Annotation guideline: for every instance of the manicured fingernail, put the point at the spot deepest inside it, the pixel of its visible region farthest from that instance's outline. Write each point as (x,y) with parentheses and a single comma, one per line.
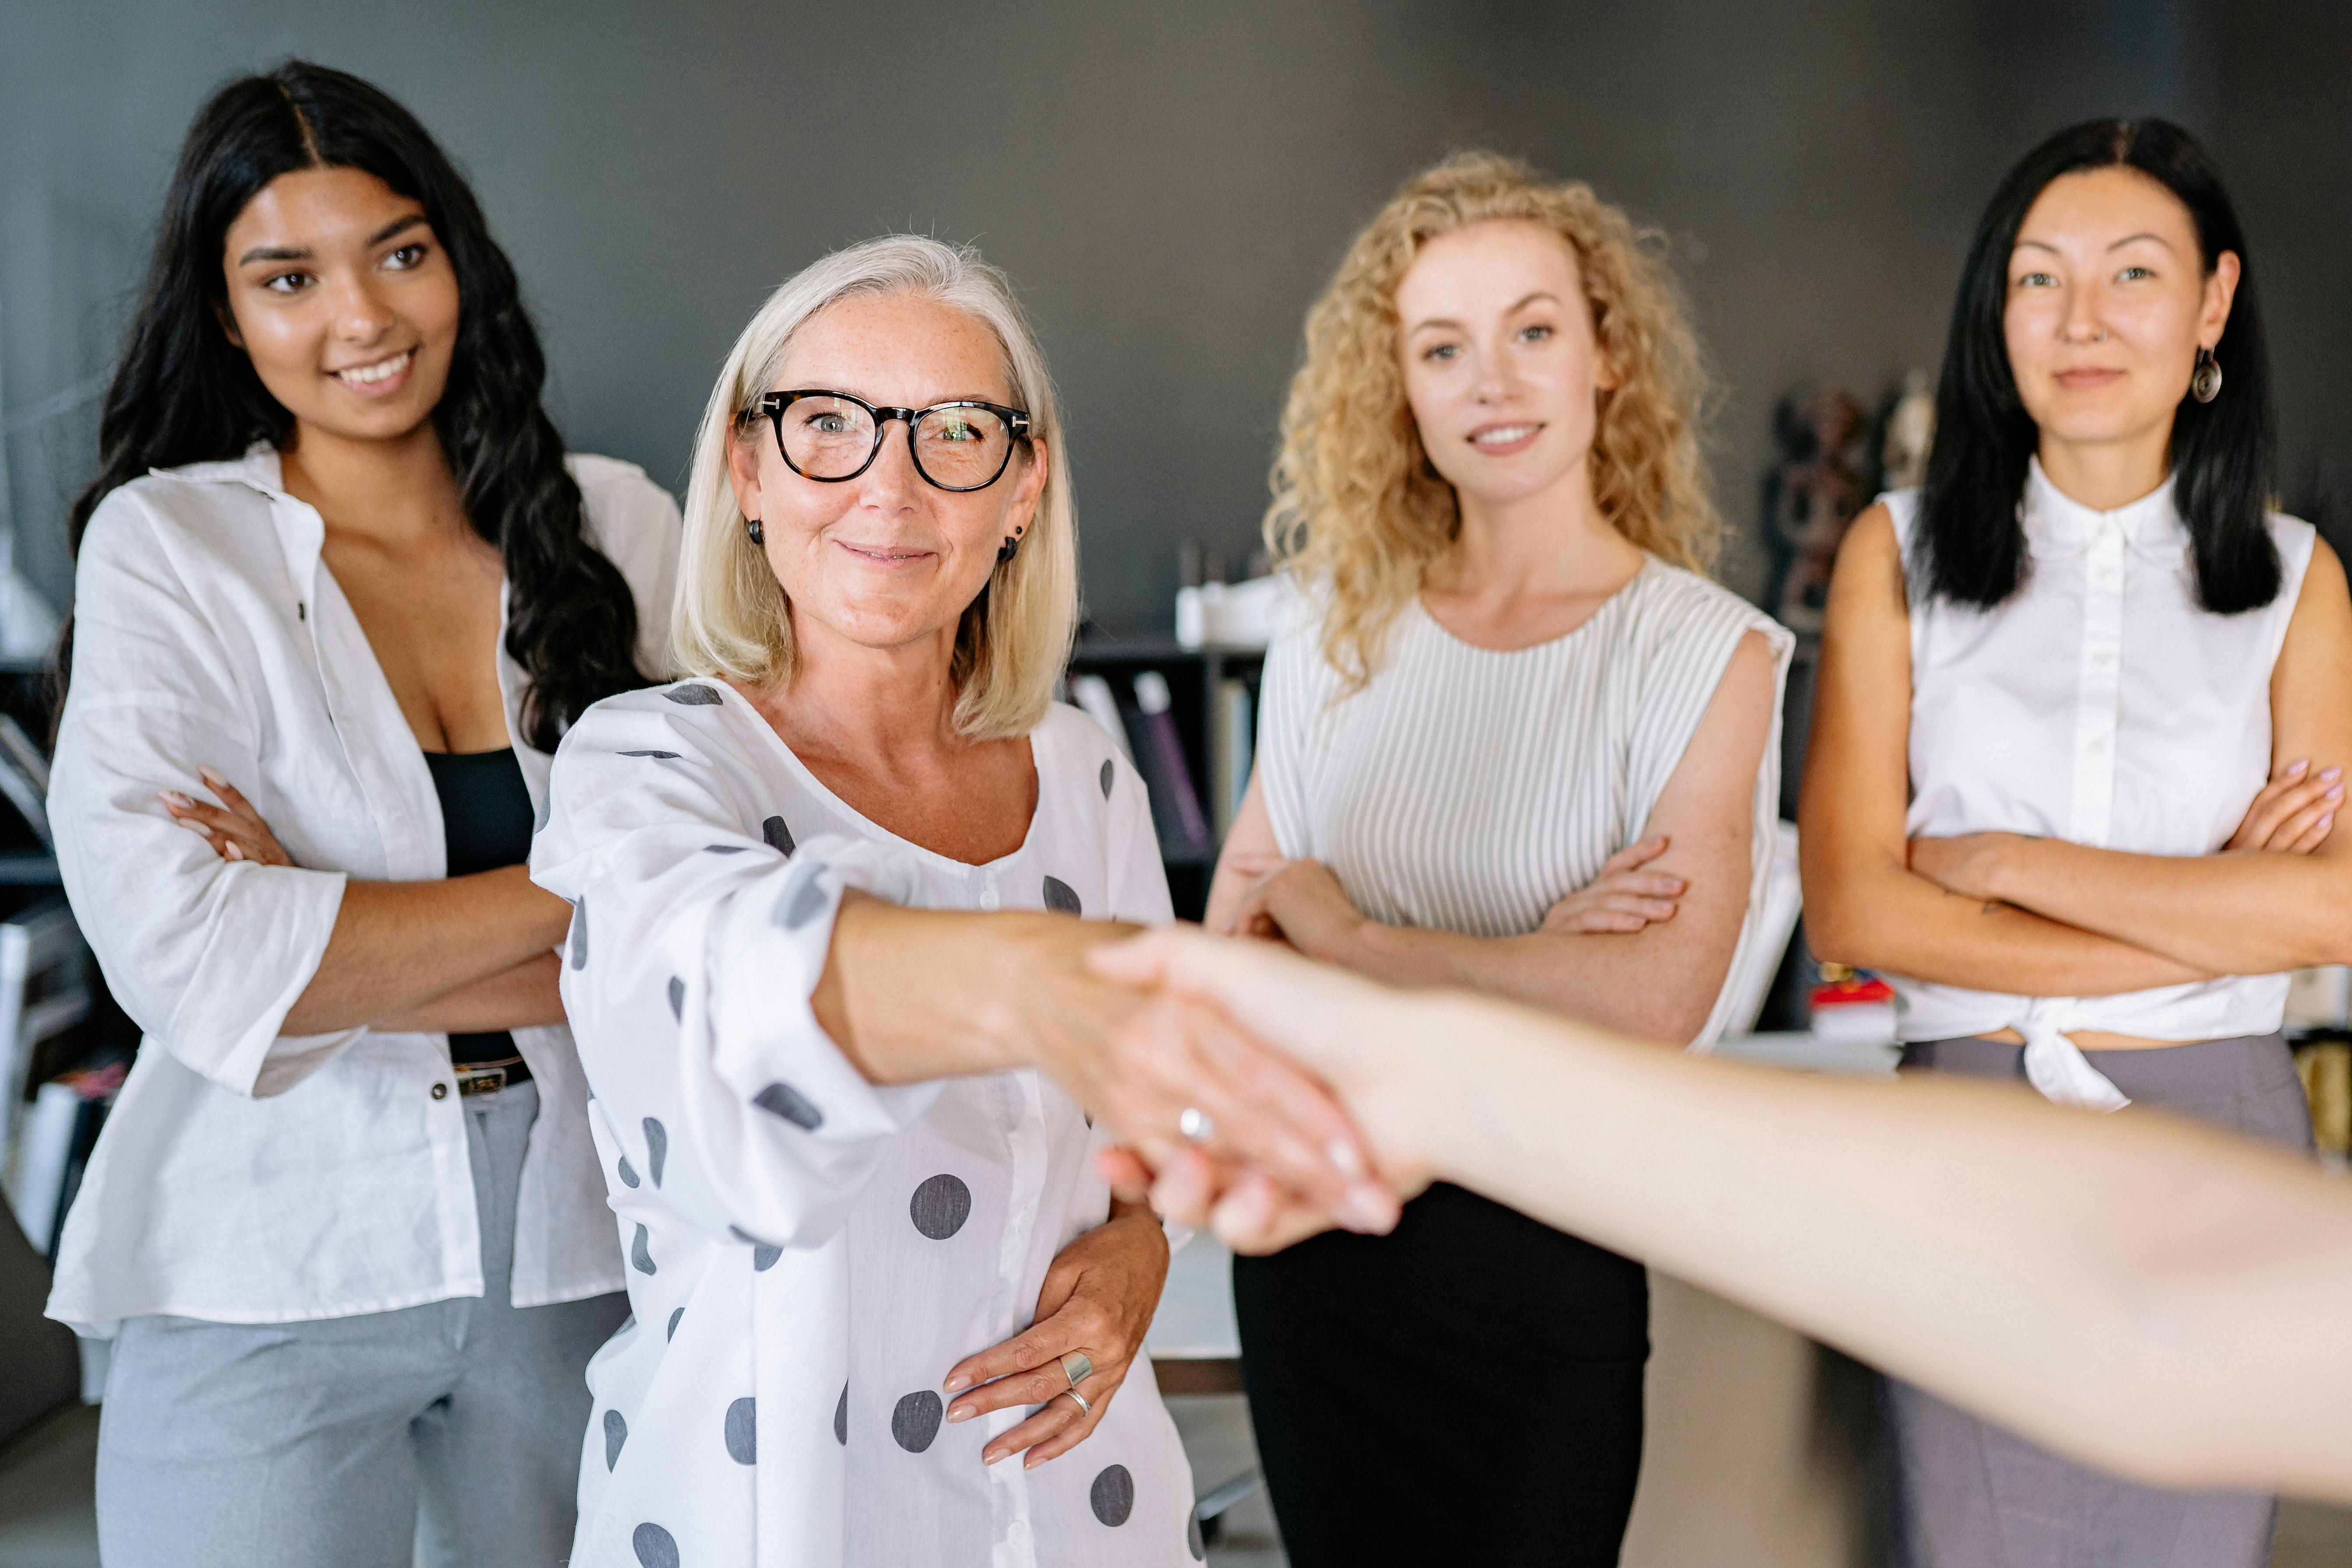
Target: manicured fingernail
(209,776)
(2336,794)
(1032,1462)
(2327,774)
(2297,766)
(1363,1208)
(233,852)
(959,1413)
(174,797)
(958,1383)
(1342,1154)
(990,1456)
(2326,819)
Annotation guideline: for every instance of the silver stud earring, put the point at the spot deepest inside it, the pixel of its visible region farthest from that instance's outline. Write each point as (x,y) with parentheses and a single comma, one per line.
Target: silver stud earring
(752,527)
(2205,381)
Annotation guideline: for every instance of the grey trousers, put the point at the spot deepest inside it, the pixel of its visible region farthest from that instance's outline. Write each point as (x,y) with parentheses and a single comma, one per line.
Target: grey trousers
(314,1444)
(1970,1495)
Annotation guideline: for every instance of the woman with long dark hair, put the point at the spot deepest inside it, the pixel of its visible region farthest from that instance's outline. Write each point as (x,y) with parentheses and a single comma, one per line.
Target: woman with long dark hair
(2073,767)
(339,593)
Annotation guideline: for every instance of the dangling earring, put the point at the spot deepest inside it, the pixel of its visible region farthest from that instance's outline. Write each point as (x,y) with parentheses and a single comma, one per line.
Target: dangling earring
(1005,550)
(2205,381)
(752,527)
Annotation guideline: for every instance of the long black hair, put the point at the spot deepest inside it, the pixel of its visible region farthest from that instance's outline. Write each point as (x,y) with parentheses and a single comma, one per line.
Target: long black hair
(184,394)
(1970,547)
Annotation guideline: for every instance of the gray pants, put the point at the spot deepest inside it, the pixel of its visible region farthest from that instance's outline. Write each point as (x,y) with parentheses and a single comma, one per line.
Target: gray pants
(1970,1495)
(312,1444)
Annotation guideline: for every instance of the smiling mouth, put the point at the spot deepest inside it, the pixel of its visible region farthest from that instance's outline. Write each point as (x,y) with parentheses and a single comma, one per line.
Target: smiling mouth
(1502,435)
(381,370)
(885,554)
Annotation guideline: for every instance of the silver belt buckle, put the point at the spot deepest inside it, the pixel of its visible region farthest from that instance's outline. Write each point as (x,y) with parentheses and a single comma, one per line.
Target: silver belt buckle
(480,1080)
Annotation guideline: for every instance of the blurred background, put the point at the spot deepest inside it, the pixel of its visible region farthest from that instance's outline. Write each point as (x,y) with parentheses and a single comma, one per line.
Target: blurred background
(1170,185)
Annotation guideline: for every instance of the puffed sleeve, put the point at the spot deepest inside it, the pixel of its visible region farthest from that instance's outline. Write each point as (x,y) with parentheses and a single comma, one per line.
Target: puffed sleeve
(693,952)
(205,954)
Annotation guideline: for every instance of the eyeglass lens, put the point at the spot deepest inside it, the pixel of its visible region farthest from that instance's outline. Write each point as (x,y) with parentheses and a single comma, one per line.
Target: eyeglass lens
(831,438)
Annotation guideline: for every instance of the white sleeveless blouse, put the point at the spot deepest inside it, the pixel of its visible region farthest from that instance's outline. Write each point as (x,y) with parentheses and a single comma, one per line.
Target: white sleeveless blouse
(2101,705)
(1469,790)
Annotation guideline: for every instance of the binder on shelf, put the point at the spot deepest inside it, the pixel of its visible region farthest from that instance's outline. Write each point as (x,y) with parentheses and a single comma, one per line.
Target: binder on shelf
(1093,694)
(1228,753)
(1176,814)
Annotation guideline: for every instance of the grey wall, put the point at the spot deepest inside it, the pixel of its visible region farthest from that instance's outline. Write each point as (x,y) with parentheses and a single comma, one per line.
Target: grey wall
(1170,185)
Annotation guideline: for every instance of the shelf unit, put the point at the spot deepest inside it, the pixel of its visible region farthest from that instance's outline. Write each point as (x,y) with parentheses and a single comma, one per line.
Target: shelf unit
(1194,675)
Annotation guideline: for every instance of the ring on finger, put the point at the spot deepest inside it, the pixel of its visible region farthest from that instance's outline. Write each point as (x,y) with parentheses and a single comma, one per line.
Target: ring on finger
(1196,1125)
(1077,1367)
(1084,1409)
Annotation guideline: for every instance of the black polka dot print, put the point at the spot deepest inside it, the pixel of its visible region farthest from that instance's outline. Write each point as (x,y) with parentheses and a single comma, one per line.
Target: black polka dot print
(782,1099)
(539,816)
(1060,895)
(580,933)
(916,1421)
(940,1207)
(723,849)
(656,1547)
(657,1149)
(678,998)
(628,1172)
(1192,1541)
(640,1258)
(763,1256)
(671,1333)
(802,903)
(1109,773)
(1113,1495)
(779,836)
(743,1445)
(616,1432)
(658,756)
(841,1417)
(693,694)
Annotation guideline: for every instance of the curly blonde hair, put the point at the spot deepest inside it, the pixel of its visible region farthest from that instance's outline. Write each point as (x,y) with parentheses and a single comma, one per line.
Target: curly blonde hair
(1358,512)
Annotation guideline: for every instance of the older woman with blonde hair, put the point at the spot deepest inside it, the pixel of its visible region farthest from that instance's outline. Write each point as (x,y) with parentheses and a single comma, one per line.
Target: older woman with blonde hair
(1512,739)
(821,946)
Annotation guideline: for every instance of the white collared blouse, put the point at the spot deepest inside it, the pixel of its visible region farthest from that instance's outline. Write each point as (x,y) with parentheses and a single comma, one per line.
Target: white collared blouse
(810,1253)
(248,1176)
(2103,705)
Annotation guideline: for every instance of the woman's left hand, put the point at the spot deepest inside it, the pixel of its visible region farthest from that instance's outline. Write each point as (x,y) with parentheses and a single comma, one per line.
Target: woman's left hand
(233,828)
(1964,865)
(1098,1297)
(1301,902)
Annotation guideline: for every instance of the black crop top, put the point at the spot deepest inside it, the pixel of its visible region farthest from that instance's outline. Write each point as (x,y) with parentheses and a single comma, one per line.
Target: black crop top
(486,821)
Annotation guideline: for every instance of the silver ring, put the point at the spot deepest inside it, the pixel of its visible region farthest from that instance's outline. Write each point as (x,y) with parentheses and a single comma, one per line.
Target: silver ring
(1196,1124)
(1079,1374)
(1084,1408)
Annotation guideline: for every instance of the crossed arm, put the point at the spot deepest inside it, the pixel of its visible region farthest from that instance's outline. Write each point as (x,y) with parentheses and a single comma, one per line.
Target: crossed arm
(2043,917)
(1644,949)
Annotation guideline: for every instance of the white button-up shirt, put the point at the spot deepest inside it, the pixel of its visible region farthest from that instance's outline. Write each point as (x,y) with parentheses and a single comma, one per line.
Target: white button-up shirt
(246,1175)
(810,1253)
(2100,704)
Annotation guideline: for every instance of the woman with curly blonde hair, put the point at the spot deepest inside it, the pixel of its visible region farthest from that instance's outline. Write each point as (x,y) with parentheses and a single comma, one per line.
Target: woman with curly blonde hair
(1512,740)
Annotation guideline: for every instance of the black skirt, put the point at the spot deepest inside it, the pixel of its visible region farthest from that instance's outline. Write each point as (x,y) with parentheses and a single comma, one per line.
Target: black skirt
(1467,1388)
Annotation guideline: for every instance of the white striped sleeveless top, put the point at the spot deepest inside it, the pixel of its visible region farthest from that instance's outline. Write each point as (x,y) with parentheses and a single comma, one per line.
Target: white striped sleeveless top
(1467,790)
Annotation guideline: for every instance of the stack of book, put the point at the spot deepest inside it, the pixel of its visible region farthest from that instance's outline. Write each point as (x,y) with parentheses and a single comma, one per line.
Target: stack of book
(1141,720)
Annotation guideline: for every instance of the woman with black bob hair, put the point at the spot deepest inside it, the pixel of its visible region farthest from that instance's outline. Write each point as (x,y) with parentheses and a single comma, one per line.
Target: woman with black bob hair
(2077,755)
(338,591)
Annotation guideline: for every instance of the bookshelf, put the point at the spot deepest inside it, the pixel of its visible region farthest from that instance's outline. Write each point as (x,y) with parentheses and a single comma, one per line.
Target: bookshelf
(1197,682)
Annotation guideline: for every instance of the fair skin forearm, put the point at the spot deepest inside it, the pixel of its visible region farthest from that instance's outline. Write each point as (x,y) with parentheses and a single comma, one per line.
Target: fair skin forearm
(1658,981)
(1864,903)
(2100,1283)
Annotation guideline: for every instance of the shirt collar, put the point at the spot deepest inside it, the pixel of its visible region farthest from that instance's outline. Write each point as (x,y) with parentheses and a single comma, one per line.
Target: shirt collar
(2058,527)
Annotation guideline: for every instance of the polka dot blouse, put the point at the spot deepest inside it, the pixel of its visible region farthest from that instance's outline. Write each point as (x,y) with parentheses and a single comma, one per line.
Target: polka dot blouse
(808,1253)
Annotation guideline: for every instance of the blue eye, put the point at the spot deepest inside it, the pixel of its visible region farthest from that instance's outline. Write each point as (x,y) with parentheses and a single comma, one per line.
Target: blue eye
(1443,352)
(1534,334)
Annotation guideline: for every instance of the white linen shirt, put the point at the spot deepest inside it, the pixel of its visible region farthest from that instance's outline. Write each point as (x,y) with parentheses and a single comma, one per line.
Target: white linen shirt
(2103,705)
(811,1253)
(245,1175)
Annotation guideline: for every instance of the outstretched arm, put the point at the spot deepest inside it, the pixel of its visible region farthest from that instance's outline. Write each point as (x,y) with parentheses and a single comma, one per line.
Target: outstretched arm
(2111,1286)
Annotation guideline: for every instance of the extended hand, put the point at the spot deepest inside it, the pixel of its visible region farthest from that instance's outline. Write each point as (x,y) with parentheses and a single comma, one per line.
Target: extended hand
(1623,898)
(1097,1299)
(233,828)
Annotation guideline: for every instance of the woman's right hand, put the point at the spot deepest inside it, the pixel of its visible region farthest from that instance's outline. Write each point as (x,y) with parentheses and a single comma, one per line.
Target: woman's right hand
(2294,812)
(233,828)
(1623,898)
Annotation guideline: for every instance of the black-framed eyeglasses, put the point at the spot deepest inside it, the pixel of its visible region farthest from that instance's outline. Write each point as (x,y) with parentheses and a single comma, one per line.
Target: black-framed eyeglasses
(831,436)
